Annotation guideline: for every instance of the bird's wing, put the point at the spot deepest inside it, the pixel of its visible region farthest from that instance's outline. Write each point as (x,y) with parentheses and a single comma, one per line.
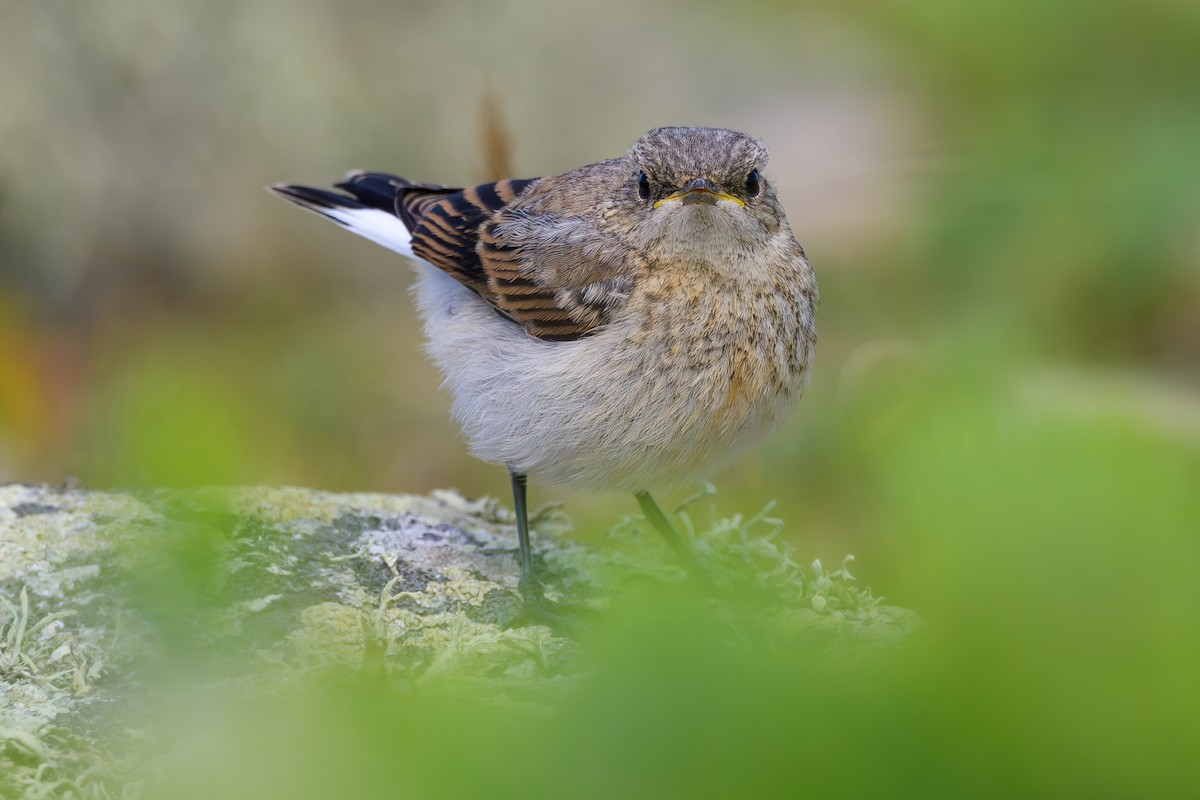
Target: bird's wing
(439,224)
(554,274)
(445,226)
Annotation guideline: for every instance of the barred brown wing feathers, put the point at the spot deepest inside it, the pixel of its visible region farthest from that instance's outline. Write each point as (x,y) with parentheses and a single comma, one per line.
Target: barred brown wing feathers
(542,270)
(545,272)
(446,225)
(520,296)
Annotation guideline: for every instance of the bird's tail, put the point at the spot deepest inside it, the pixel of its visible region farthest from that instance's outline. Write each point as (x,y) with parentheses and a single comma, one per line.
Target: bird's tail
(374,207)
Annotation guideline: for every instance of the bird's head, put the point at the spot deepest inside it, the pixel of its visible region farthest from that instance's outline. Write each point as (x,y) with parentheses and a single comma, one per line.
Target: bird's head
(700,188)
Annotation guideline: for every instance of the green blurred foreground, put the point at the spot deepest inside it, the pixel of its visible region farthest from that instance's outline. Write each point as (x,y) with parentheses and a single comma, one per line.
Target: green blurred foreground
(1054,563)
(1052,555)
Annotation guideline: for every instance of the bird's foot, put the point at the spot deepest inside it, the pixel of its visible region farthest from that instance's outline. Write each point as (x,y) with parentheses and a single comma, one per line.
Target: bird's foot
(563,618)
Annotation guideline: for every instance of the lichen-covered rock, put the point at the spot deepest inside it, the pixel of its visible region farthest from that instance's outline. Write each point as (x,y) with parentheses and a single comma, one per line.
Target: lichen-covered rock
(256,587)
(320,575)
(93,584)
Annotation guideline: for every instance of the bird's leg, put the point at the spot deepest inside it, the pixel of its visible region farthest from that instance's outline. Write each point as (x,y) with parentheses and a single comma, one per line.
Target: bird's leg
(538,609)
(528,584)
(658,520)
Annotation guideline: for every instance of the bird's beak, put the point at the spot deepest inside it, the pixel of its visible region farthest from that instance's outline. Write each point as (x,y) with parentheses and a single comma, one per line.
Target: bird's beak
(699,190)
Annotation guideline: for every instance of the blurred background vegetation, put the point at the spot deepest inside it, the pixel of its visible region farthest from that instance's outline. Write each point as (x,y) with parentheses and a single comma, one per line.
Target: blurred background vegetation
(1001,200)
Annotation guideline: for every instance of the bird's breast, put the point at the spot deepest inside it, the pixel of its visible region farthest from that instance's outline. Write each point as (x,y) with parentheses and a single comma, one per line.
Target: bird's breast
(722,354)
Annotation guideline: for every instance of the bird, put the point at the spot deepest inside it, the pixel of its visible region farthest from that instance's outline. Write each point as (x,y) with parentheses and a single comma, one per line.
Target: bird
(632,323)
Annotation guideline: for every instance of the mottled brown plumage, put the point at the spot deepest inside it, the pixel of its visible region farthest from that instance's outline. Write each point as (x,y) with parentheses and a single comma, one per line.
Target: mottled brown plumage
(633,322)
(655,311)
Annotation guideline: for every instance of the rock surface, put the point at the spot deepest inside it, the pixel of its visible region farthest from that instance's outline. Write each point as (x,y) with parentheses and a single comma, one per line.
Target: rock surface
(96,586)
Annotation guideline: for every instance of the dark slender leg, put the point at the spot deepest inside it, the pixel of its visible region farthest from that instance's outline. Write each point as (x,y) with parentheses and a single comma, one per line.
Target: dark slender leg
(656,517)
(529,583)
(537,608)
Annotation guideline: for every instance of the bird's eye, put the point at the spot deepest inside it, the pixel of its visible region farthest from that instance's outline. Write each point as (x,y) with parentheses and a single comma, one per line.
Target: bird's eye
(752,183)
(643,186)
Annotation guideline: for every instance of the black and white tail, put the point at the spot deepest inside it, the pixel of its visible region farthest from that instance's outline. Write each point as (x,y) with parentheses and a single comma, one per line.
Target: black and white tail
(372,209)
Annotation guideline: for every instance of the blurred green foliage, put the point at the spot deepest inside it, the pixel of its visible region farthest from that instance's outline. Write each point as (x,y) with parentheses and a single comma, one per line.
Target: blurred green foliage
(1001,199)
(1053,559)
